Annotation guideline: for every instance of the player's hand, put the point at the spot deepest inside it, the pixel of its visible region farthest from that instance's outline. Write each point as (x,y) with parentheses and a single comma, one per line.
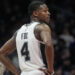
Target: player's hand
(17,73)
(46,71)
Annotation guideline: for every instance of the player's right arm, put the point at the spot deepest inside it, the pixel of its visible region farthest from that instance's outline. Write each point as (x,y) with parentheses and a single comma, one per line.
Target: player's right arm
(5,50)
(43,33)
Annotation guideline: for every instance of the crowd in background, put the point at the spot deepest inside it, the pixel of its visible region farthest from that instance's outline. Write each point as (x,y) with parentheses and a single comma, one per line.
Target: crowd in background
(13,14)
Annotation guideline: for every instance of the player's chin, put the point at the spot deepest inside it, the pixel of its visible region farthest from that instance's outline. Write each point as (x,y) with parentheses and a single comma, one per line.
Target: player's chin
(47,21)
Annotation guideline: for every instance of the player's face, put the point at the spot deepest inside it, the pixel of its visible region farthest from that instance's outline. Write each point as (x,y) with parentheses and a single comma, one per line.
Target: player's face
(43,13)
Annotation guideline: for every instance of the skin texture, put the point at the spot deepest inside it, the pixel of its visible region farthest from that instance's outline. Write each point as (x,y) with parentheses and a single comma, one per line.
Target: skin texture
(42,32)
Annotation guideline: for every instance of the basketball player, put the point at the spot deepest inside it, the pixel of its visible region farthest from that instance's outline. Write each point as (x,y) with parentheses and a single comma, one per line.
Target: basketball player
(27,40)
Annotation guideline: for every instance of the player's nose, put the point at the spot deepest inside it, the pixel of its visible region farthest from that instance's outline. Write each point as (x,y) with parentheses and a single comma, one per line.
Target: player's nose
(48,13)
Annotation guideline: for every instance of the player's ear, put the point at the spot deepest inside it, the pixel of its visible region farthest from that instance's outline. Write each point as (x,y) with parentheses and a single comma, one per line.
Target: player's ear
(35,13)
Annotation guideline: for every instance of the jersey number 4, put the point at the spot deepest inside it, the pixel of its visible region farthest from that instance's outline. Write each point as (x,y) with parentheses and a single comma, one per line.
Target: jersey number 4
(25,52)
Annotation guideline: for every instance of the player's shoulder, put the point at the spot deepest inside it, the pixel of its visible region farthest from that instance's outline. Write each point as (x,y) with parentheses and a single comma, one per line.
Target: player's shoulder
(15,34)
(42,26)
(23,26)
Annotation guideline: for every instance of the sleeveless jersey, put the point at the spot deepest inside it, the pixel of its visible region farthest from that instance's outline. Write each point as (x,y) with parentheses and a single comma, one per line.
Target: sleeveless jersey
(28,48)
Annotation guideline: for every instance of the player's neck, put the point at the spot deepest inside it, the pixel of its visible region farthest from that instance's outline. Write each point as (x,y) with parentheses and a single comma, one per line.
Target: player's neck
(34,19)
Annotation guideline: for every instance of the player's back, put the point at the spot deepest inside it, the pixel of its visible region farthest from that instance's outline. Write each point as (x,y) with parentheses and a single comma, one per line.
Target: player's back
(28,48)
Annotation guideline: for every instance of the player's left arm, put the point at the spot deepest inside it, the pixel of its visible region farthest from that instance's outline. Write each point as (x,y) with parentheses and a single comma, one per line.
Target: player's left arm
(5,50)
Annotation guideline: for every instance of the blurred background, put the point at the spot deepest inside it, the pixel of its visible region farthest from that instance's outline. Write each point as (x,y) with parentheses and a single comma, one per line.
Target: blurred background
(13,14)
